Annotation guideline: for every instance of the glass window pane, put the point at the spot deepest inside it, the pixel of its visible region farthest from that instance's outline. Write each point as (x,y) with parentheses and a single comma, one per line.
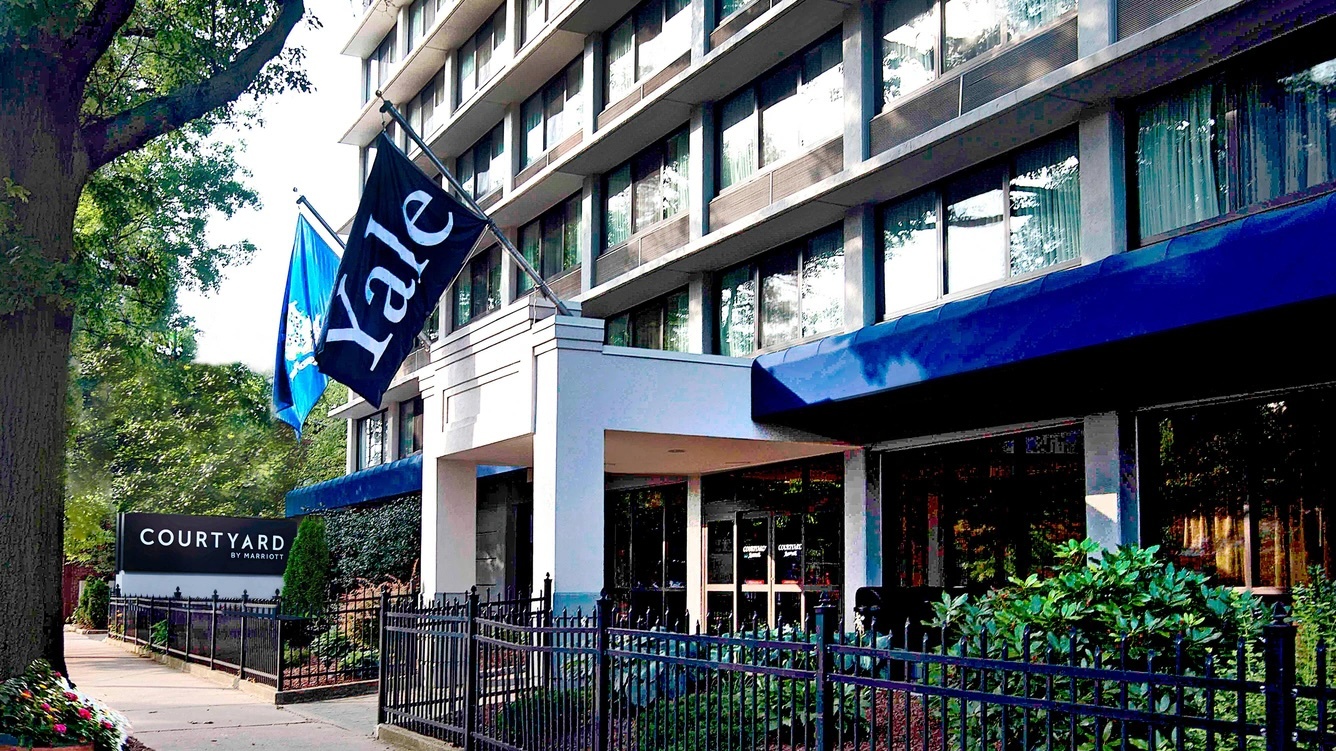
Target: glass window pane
(737,138)
(531,246)
(1045,206)
(468,81)
(754,539)
(410,427)
(972,28)
(646,328)
(534,17)
(910,258)
(553,237)
(464,172)
(676,313)
(573,116)
(647,539)
(781,115)
(719,612)
(619,330)
(554,103)
(823,549)
(823,283)
(648,197)
(737,312)
(463,307)
(1285,127)
(649,25)
(788,549)
(821,94)
(720,563)
(494,279)
(1030,15)
(908,47)
(675,185)
(675,39)
(1180,160)
(486,44)
(729,7)
(617,213)
(779,299)
(570,244)
(531,123)
(975,244)
(621,61)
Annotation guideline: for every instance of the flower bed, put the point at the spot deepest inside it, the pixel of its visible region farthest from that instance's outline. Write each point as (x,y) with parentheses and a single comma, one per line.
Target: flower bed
(40,710)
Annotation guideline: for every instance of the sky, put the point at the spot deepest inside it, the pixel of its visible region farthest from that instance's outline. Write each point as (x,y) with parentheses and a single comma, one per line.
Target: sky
(296,147)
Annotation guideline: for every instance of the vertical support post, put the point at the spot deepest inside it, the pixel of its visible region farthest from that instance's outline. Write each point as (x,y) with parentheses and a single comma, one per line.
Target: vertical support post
(241,657)
(1279,637)
(545,671)
(213,630)
(826,620)
(471,672)
(380,668)
(602,670)
(278,639)
(189,614)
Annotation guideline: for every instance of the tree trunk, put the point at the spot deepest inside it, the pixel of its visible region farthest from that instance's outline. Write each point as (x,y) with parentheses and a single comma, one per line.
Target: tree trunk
(41,153)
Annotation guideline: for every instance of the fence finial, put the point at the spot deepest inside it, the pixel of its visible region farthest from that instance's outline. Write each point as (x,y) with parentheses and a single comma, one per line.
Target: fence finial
(177,594)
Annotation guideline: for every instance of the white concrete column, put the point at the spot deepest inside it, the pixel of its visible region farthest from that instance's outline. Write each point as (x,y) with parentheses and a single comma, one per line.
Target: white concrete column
(703,20)
(862,528)
(351,445)
(860,267)
(392,431)
(695,555)
(449,526)
(1103,184)
(447,103)
(1096,25)
(1112,513)
(860,80)
(700,170)
(701,314)
(510,271)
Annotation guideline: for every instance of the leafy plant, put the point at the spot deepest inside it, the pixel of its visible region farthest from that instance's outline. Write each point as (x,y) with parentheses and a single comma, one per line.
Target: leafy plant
(40,708)
(306,578)
(295,657)
(157,634)
(93,602)
(332,646)
(359,662)
(375,544)
(527,721)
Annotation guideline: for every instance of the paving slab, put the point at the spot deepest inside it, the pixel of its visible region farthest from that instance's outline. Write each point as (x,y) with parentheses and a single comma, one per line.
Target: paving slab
(174,711)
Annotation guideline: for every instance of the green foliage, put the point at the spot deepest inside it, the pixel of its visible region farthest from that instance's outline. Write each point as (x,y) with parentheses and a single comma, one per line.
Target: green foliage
(360,663)
(40,708)
(90,536)
(375,544)
(92,609)
(332,646)
(295,657)
(527,722)
(157,634)
(306,579)
(1314,617)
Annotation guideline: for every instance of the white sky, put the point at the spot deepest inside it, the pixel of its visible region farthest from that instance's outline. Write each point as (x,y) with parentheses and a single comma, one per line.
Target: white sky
(297,147)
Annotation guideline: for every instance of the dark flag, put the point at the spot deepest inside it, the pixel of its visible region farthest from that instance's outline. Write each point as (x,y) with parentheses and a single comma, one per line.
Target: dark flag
(408,242)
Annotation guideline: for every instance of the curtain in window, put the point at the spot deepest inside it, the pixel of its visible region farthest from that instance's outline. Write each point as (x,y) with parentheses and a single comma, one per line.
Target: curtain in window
(647,191)
(676,311)
(468,81)
(1178,161)
(780,299)
(649,29)
(573,115)
(464,172)
(534,17)
(619,330)
(646,328)
(1284,134)
(1045,201)
(823,284)
(531,123)
(463,299)
(738,131)
(621,60)
(821,94)
(617,212)
(910,269)
(553,236)
(531,245)
(737,312)
(570,253)
(554,105)
(494,279)
(908,47)
(675,183)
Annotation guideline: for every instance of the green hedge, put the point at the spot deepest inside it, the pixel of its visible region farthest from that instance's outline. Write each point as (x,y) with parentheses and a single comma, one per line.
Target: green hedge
(306,578)
(375,544)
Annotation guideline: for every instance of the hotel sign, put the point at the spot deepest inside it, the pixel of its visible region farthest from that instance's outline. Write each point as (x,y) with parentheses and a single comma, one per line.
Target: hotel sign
(177,544)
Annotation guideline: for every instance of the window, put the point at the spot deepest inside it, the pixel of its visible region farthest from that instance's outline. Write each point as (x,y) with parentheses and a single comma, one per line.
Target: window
(646,190)
(535,17)
(726,8)
(410,427)
(788,112)
(801,290)
(552,114)
(552,242)
(376,67)
(999,221)
(1243,491)
(661,324)
(421,17)
(428,105)
(480,57)
(1238,138)
(478,289)
(479,168)
(654,35)
(916,45)
(371,440)
(647,552)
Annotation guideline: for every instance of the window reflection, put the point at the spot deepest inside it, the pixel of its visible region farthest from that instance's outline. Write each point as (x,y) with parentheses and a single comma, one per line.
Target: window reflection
(646,546)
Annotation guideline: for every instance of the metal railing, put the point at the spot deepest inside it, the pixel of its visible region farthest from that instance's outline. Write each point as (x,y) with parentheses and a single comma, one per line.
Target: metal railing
(527,682)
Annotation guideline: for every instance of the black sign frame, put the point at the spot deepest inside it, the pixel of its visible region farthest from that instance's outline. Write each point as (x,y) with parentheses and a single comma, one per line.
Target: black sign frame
(183,544)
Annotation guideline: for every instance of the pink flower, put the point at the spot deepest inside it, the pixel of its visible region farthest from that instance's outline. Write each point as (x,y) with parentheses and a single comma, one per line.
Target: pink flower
(59,728)
(46,707)
(71,695)
(84,713)
(106,724)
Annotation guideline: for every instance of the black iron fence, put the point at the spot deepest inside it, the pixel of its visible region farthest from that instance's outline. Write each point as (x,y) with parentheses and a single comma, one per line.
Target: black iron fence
(255,640)
(527,680)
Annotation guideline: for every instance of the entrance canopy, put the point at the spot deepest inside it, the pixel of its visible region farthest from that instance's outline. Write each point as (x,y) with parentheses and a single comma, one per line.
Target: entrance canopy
(1265,262)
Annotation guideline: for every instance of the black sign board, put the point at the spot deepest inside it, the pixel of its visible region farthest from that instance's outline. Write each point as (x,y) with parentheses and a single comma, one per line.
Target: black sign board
(174,543)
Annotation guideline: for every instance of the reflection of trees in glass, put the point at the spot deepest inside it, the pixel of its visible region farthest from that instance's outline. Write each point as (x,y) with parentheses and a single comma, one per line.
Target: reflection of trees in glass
(908,49)
(1045,207)
(737,312)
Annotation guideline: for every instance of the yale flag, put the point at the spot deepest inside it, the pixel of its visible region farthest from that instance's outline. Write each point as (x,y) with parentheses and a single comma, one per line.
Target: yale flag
(298,384)
(408,242)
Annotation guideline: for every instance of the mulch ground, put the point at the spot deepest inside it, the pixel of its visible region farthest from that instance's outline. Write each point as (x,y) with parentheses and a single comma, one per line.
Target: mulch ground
(133,744)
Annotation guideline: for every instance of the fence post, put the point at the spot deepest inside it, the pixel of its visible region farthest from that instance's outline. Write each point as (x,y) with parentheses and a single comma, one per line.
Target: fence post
(380,667)
(241,657)
(471,671)
(1279,644)
(213,631)
(278,648)
(602,674)
(825,704)
(547,657)
(189,615)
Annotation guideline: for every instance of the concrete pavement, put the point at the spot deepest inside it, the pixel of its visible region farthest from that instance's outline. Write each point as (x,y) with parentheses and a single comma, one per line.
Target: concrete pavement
(173,711)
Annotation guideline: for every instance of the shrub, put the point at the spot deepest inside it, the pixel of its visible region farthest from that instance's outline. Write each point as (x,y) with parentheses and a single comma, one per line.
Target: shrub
(40,708)
(332,646)
(1314,616)
(157,634)
(306,578)
(375,544)
(93,602)
(360,663)
(295,657)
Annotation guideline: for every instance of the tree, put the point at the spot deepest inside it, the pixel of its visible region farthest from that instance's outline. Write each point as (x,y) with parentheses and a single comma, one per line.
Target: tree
(306,578)
(82,84)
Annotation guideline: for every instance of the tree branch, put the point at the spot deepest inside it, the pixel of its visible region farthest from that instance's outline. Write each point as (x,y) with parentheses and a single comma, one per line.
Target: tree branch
(96,33)
(108,138)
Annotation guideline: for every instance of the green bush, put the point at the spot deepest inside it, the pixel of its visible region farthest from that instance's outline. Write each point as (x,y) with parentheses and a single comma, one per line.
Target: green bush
(359,662)
(93,602)
(157,634)
(528,721)
(1314,616)
(306,578)
(332,646)
(377,544)
(295,657)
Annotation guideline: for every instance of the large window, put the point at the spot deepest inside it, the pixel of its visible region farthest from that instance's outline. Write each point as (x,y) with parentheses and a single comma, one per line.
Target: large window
(655,34)
(552,242)
(534,18)
(917,42)
(1005,219)
(647,552)
(660,324)
(801,294)
(646,190)
(372,440)
(1243,137)
(773,543)
(410,427)
(479,168)
(789,111)
(552,114)
(1243,491)
(376,67)
(421,17)
(974,513)
(481,57)
(726,8)
(428,108)
(478,289)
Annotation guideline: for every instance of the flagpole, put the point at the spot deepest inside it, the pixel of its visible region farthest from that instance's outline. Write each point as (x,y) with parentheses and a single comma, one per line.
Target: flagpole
(303,200)
(388,108)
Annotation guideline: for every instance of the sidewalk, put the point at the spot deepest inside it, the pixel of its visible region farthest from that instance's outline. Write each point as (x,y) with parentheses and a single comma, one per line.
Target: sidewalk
(173,711)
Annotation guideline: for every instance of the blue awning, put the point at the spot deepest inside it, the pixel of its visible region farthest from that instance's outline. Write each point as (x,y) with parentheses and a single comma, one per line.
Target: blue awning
(378,483)
(1258,263)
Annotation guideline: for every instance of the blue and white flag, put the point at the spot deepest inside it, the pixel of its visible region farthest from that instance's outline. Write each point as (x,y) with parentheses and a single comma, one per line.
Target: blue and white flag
(408,242)
(298,383)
